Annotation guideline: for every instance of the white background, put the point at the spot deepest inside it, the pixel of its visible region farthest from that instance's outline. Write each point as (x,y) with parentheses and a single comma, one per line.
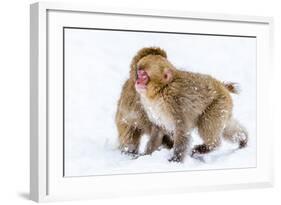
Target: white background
(14,103)
(90,106)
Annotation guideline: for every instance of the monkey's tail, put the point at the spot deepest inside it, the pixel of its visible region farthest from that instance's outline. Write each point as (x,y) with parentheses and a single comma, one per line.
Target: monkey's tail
(232,87)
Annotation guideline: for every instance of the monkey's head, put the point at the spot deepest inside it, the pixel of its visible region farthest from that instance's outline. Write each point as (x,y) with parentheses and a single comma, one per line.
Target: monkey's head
(153,72)
(141,54)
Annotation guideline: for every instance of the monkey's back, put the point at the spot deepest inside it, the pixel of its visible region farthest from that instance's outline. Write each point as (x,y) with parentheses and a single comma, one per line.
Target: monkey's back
(192,93)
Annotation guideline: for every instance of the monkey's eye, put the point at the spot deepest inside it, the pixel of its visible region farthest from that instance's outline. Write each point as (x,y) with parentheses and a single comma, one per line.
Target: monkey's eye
(165,76)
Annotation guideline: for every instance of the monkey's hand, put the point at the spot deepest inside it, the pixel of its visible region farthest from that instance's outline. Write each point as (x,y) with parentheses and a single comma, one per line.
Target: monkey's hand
(177,157)
(131,150)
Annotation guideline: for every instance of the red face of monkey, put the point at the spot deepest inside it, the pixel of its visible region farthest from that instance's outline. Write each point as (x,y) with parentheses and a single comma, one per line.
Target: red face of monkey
(142,80)
(153,72)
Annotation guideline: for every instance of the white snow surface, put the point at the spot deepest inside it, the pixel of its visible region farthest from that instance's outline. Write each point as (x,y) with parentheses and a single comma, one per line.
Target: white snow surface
(96,66)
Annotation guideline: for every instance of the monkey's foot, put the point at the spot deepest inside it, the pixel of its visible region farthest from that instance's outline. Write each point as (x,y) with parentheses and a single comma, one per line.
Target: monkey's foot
(132,155)
(200,149)
(136,156)
(242,144)
(129,150)
(176,158)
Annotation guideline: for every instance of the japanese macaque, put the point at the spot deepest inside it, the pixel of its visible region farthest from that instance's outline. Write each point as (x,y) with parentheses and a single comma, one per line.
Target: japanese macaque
(178,101)
(131,119)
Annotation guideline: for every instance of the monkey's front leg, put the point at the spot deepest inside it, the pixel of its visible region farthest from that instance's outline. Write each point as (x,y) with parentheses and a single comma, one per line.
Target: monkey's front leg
(156,136)
(181,142)
(129,138)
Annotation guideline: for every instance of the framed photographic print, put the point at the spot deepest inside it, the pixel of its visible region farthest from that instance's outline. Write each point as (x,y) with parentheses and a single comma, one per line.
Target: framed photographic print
(128,102)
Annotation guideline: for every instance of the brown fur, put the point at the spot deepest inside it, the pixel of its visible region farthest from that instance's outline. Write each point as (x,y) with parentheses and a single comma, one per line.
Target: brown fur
(179,101)
(131,119)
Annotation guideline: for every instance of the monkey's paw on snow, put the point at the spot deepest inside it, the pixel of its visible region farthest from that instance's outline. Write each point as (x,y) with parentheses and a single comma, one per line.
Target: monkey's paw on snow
(176,158)
(130,150)
(200,149)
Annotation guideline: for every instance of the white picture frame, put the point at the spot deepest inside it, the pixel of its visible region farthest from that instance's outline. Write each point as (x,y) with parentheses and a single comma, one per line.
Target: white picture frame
(46,157)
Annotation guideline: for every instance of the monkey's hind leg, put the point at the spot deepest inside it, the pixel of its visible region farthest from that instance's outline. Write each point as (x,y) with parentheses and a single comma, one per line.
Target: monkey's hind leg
(211,125)
(129,139)
(236,133)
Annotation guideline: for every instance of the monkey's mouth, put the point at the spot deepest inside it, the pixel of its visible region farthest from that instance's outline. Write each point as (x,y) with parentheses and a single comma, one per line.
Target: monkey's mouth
(140,88)
(142,81)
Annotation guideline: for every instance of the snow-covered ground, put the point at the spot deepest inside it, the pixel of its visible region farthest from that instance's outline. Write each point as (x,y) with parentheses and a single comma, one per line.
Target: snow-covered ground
(97,64)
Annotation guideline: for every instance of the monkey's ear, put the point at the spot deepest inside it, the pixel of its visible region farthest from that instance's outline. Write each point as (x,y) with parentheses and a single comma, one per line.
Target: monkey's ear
(142,53)
(167,75)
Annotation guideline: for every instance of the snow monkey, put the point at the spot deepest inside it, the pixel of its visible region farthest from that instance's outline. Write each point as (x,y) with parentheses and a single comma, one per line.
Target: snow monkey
(179,101)
(131,119)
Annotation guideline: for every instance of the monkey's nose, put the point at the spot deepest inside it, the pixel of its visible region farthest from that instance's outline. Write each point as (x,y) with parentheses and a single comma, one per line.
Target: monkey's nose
(143,77)
(141,73)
